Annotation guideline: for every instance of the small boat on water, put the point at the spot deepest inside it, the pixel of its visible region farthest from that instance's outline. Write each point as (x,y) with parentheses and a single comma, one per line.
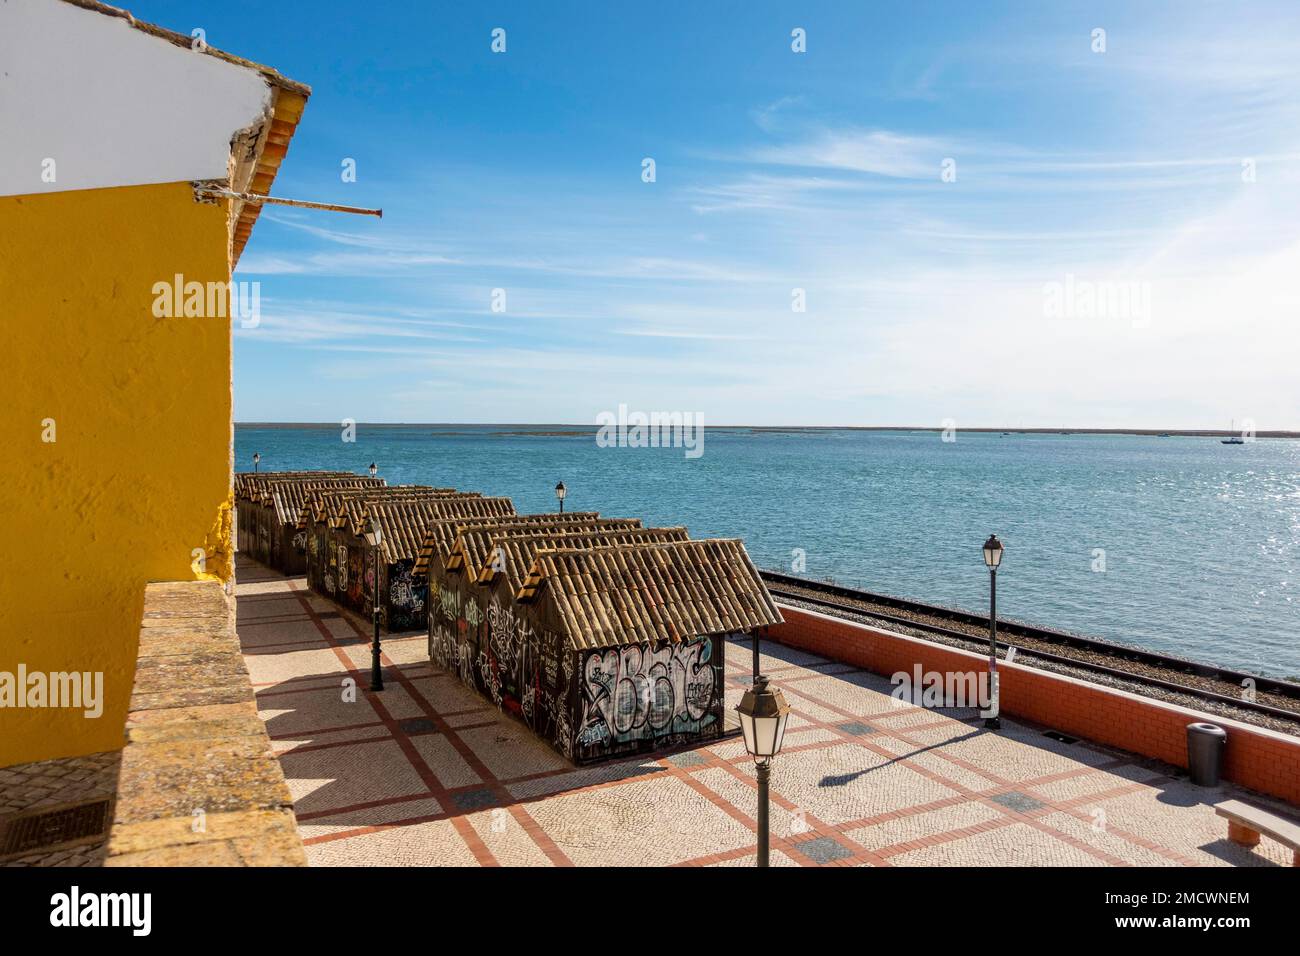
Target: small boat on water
(1233,439)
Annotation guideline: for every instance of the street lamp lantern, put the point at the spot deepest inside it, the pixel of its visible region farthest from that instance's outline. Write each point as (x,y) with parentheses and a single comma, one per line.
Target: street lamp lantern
(375,538)
(560,492)
(993,552)
(257,460)
(763,713)
(992,558)
(374,470)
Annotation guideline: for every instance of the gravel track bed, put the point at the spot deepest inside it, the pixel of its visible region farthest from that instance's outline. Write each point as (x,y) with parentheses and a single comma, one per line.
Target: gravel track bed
(862,610)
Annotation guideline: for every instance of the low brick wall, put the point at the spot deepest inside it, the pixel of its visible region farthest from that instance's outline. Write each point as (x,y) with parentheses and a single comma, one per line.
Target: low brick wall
(199,784)
(1257,758)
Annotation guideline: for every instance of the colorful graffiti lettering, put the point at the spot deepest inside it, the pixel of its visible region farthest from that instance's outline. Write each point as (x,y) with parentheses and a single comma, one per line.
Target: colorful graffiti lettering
(473,614)
(357,593)
(638,692)
(589,704)
(450,603)
(496,651)
(403,593)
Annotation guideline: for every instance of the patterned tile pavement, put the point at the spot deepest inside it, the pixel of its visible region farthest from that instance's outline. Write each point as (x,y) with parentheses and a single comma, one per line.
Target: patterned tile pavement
(428,773)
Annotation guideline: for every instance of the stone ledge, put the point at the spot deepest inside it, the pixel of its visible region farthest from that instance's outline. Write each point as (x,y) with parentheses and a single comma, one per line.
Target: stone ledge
(199,783)
(242,838)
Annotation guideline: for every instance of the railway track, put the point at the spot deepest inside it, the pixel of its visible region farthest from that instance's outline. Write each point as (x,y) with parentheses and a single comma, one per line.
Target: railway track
(1272,700)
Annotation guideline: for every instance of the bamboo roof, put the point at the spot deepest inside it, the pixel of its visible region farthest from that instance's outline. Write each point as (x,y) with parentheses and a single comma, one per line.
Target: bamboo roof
(609,596)
(513,554)
(405,523)
(440,537)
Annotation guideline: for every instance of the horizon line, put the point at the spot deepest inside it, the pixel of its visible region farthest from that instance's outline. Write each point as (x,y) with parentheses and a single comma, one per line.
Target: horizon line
(1017,430)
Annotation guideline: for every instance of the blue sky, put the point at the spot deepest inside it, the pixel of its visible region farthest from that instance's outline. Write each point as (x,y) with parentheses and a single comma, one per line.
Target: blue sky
(1098,172)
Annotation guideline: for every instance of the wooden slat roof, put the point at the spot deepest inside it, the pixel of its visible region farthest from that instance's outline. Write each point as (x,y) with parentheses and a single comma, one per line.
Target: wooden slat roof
(625,594)
(440,537)
(473,547)
(251,485)
(405,523)
(329,504)
(513,554)
(288,497)
(353,513)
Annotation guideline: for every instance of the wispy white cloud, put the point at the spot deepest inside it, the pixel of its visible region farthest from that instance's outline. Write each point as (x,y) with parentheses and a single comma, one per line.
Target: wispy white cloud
(684,334)
(768,117)
(767,191)
(879,152)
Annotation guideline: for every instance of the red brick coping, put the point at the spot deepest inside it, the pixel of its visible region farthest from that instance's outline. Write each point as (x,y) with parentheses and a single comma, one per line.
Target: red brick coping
(1256,757)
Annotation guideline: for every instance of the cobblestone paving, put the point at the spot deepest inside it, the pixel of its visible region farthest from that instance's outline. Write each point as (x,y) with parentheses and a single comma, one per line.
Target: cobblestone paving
(429,773)
(46,784)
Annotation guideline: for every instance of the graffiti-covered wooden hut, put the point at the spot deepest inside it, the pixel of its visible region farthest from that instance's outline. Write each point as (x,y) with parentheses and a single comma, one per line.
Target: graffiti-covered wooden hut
(440,536)
(346,573)
(403,597)
(326,510)
(256,510)
(615,648)
(284,500)
(461,554)
(472,610)
(250,487)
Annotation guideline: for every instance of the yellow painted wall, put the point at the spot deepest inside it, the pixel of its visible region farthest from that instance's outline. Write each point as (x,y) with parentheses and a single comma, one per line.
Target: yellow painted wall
(139,475)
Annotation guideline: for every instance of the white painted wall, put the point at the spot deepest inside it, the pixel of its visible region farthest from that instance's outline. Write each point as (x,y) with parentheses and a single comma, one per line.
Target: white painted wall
(110,104)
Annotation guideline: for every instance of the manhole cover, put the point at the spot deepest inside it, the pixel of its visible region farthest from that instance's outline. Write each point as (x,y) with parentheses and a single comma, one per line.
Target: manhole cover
(1063,738)
(471,800)
(1020,802)
(418,725)
(857,728)
(46,829)
(823,849)
(687,759)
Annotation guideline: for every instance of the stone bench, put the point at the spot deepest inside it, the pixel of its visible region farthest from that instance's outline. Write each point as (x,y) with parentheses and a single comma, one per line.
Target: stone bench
(1247,823)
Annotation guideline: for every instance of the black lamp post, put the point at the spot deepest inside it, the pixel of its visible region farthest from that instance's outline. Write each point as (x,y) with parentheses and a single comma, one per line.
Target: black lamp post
(763,713)
(992,558)
(560,492)
(373,470)
(375,538)
(257,460)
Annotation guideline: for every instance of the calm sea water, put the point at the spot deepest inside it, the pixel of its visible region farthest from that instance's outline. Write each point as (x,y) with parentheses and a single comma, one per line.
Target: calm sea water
(1201,540)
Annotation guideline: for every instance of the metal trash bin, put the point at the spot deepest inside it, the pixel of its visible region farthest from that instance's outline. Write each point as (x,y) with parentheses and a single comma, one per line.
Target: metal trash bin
(1205,743)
